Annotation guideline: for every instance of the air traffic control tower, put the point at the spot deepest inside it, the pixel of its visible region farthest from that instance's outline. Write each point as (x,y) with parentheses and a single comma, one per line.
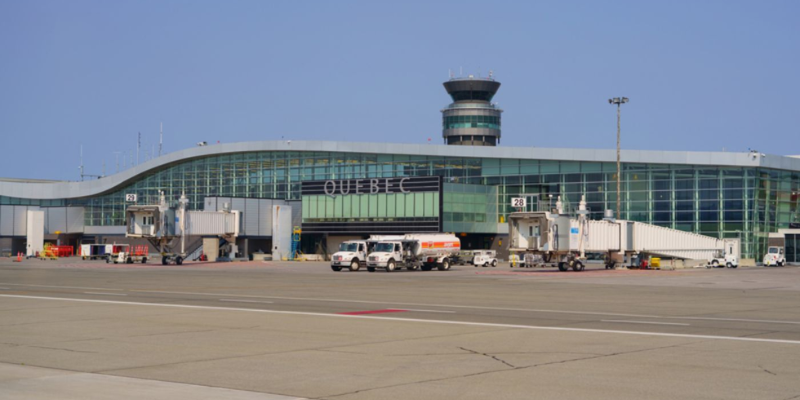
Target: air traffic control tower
(472,119)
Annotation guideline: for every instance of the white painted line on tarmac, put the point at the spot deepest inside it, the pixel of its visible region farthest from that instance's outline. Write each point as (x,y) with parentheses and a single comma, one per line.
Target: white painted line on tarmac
(106,294)
(61,287)
(736,320)
(412,309)
(246,301)
(202,294)
(426,321)
(481,307)
(4,288)
(641,322)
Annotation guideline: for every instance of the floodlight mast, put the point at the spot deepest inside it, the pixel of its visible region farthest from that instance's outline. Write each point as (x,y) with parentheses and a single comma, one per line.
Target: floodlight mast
(619,101)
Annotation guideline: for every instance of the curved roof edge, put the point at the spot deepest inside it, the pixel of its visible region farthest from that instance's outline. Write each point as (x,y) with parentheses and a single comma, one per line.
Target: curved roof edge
(72,190)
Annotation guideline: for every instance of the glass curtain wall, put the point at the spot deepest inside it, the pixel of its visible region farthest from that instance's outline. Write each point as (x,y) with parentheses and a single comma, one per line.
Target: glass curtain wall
(728,202)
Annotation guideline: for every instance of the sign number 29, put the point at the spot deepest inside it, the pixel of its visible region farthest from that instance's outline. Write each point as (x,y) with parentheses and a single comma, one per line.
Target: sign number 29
(131,197)
(519,202)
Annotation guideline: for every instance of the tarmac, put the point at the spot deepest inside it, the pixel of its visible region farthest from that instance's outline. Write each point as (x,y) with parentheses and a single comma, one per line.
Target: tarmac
(281,330)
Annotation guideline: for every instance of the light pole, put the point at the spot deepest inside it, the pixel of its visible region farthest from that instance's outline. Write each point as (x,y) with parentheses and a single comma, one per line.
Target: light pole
(619,101)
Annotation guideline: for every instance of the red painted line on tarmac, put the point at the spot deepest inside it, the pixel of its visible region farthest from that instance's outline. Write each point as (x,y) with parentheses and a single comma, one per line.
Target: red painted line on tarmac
(371,312)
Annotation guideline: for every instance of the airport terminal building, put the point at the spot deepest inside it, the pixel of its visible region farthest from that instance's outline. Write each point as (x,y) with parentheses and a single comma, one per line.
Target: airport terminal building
(342,190)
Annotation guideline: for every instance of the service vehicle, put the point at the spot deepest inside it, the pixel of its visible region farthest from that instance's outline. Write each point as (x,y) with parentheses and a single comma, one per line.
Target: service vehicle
(114,250)
(353,253)
(415,251)
(463,257)
(723,259)
(774,257)
(484,258)
(137,254)
(95,251)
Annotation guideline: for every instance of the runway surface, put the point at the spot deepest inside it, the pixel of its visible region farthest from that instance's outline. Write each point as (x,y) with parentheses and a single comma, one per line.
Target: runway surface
(299,330)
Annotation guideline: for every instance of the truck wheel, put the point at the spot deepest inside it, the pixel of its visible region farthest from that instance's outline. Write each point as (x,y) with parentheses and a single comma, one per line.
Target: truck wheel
(494,263)
(729,265)
(412,267)
(108,260)
(715,264)
(577,266)
(144,260)
(562,266)
(390,266)
(371,269)
(444,266)
(179,260)
(129,261)
(426,267)
(164,260)
(335,268)
(354,266)
(780,263)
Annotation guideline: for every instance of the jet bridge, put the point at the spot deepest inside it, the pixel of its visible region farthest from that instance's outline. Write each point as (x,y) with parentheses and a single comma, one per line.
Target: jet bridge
(166,228)
(559,239)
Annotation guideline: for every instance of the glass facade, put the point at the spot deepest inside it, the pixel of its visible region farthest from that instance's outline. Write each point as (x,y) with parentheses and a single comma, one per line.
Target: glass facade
(793,248)
(729,202)
(469,208)
(381,207)
(471,121)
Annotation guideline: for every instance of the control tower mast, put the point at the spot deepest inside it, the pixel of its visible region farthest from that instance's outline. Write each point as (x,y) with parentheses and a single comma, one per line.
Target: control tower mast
(472,119)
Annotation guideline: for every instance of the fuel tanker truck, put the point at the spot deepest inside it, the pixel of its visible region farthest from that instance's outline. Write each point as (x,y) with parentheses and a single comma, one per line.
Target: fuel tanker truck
(414,251)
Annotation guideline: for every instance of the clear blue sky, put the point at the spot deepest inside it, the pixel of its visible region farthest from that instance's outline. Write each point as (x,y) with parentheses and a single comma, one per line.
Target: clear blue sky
(701,75)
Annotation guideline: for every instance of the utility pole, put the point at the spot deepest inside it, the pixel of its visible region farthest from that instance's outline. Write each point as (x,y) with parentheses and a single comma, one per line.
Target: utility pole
(619,101)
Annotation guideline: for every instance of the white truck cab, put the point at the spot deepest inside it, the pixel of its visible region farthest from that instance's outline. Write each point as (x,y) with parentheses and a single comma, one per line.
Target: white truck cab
(775,257)
(351,254)
(386,255)
(721,259)
(484,258)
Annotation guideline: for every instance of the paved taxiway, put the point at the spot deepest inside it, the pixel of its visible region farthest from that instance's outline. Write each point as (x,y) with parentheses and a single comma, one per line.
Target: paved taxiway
(299,330)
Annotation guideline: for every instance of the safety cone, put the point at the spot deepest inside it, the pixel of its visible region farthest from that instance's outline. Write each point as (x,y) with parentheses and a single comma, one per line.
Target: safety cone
(19,257)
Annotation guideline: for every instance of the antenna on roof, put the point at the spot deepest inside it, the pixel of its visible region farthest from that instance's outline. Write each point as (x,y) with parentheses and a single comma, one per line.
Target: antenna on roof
(160,139)
(89,175)
(116,154)
(81,166)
